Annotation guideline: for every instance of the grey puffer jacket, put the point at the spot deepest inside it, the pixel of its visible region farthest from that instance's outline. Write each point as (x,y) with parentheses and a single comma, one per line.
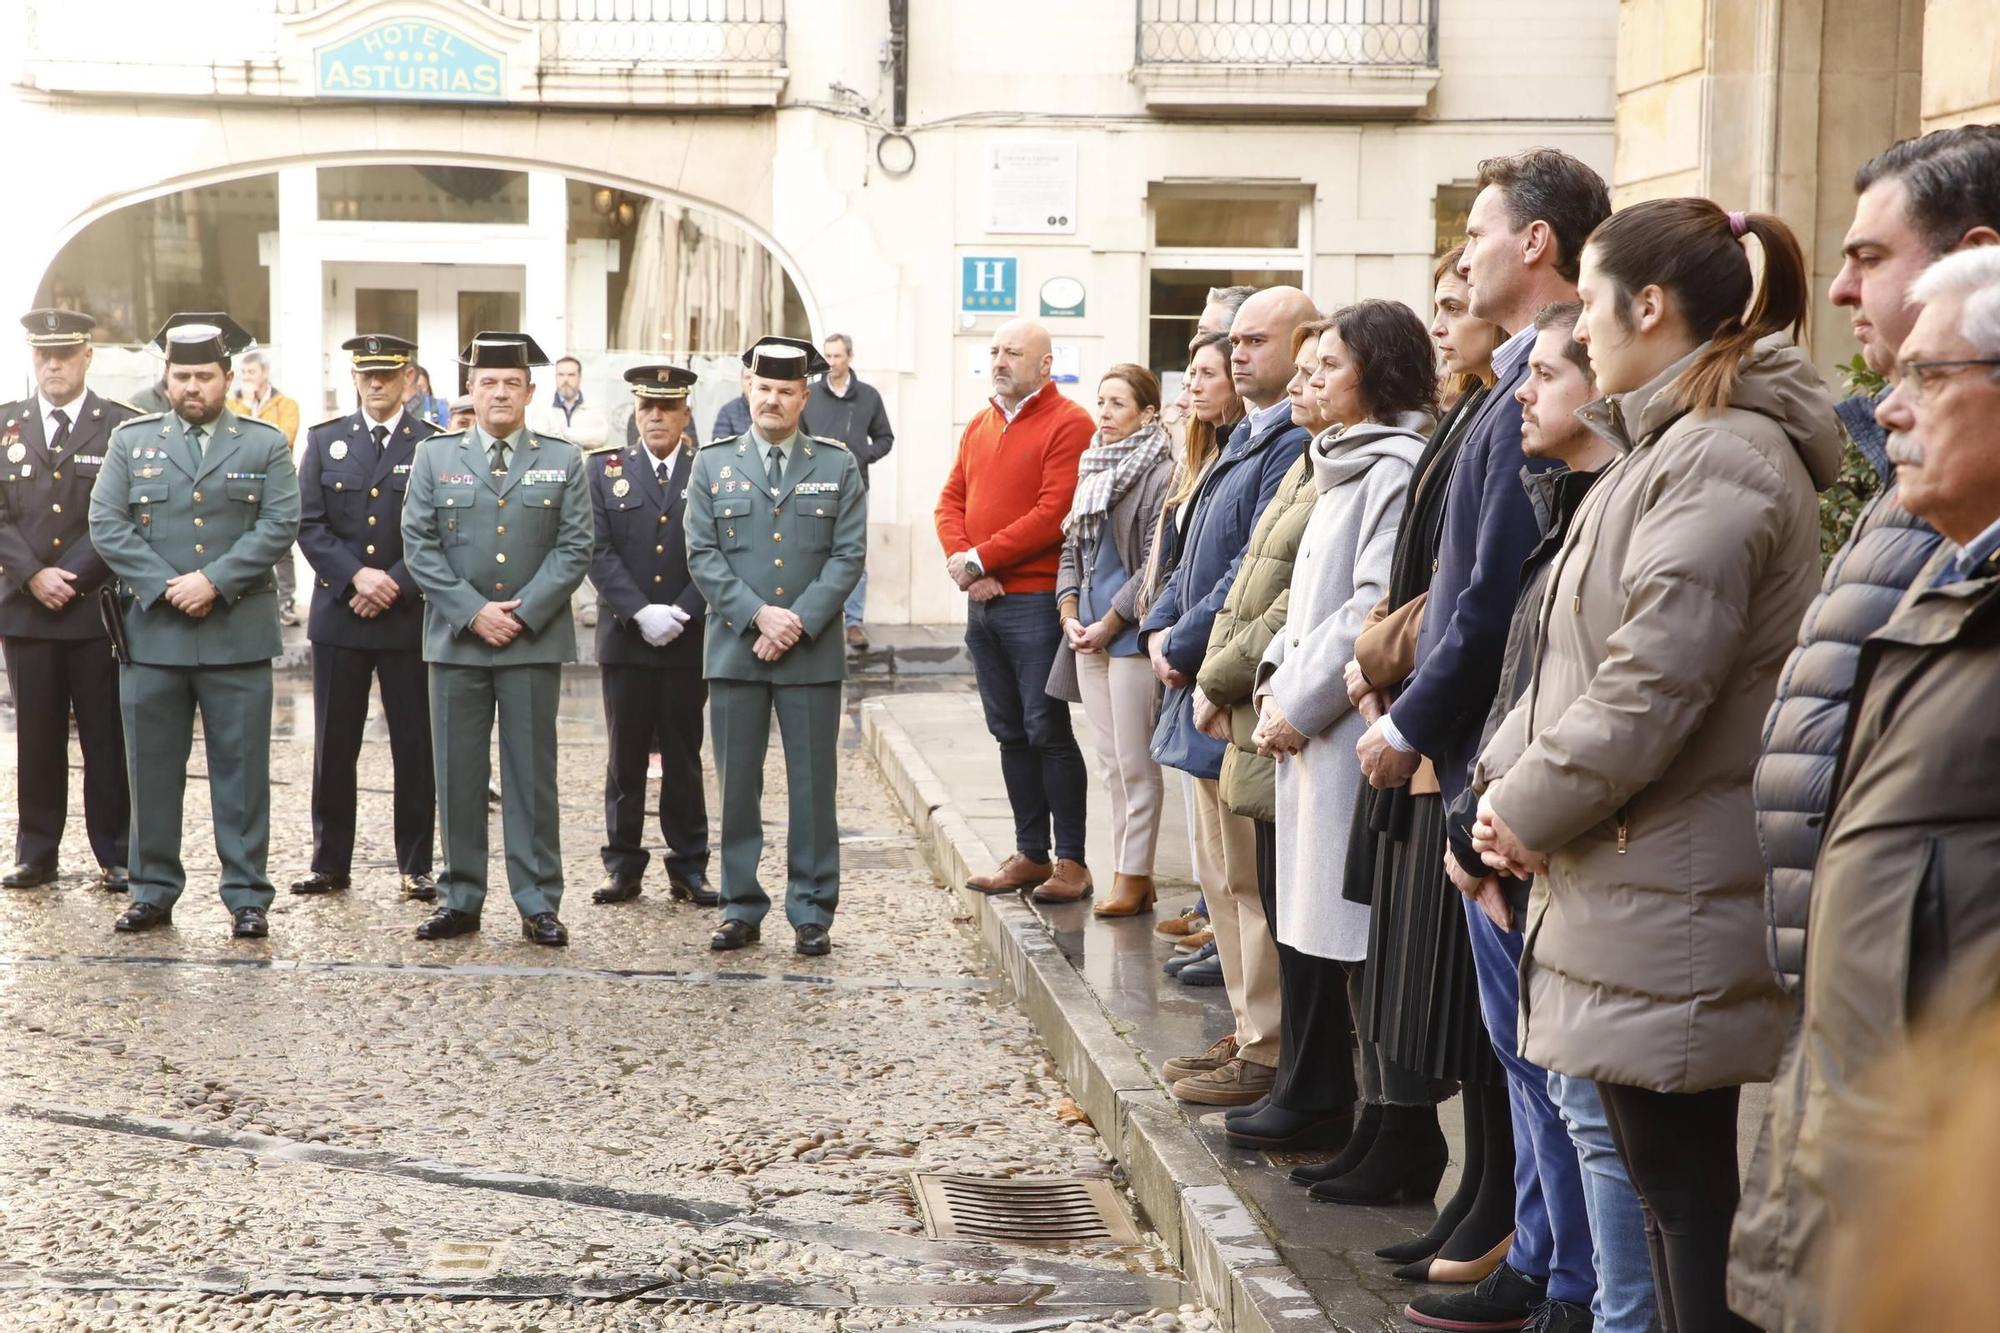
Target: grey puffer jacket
(1867,578)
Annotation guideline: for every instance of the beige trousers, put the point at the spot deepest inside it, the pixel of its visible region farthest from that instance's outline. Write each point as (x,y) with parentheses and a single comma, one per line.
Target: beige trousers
(1121,699)
(1226,865)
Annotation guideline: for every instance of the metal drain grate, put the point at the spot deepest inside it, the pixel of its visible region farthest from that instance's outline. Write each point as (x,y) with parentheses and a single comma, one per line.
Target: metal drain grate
(463,1260)
(1049,1211)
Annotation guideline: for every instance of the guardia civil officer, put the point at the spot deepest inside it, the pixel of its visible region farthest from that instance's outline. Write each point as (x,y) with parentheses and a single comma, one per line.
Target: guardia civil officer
(191,511)
(777,528)
(367,618)
(649,634)
(497,533)
(58,658)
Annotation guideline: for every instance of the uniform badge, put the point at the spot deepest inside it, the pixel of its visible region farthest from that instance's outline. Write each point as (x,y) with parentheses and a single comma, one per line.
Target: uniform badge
(621,488)
(726,474)
(713,488)
(16,452)
(337,451)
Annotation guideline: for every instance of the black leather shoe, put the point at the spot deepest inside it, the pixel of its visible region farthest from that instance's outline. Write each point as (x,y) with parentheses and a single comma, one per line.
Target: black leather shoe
(618,889)
(734,935)
(143,916)
(320,881)
(544,928)
(115,879)
(25,876)
(1276,1129)
(693,889)
(251,924)
(813,941)
(1505,1299)
(444,923)
(420,888)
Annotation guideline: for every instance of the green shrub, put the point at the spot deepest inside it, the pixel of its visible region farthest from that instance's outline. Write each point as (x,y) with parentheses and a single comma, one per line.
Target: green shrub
(1842,502)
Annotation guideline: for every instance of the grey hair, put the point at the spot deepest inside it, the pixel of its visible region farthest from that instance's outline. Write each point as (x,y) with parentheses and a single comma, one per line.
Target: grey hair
(1974,276)
(1230,299)
(843,340)
(254,357)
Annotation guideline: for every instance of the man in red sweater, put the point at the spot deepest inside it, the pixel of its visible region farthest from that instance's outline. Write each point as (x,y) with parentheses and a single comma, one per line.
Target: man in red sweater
(1000,522)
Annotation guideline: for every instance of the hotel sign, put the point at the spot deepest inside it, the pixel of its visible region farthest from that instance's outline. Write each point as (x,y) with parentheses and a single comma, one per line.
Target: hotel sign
(412,60)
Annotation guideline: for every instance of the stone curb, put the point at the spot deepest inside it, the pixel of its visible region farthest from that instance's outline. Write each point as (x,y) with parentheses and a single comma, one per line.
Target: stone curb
(1211,1233)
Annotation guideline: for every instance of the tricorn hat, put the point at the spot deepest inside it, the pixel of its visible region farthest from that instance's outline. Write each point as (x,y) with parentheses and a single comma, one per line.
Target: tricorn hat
(775,358)
(661,384)
(380,351)
(57,328)
(497,350)
(199,338)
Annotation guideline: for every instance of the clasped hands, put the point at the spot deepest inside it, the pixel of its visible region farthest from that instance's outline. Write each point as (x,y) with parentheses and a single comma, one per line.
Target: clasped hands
(1275,735)
(374,592)
(973,581)
(1498,846)
(53,587)
(660,623)
(191,594)
(496,624)
(1092,638)
(778,630)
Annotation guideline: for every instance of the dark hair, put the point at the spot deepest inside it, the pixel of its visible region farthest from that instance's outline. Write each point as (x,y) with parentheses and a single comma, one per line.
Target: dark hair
(1689,249)
(1200,440)
(1564,315)
(1393,355)
(1447,263)
(1309,331)
(1145,384)
(1548,185)
(572,360)
(1952,179)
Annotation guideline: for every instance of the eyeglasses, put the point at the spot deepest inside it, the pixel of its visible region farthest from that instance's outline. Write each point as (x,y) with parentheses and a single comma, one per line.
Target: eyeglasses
(1914,379)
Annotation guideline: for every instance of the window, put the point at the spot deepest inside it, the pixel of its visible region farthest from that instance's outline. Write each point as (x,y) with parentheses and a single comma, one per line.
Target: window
(422,194)
(1216,236)
(1452,207)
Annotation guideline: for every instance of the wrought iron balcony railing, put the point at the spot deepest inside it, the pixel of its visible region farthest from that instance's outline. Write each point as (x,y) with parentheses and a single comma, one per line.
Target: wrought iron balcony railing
(1265,33)
(636,32)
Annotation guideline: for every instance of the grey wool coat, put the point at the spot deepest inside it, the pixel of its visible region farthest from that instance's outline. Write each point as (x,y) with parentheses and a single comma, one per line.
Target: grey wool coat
(1131,525)
(1342,569)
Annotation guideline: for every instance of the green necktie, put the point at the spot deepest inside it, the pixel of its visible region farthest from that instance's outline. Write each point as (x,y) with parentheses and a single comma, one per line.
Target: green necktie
(500,458)
(774,467)
(195,434)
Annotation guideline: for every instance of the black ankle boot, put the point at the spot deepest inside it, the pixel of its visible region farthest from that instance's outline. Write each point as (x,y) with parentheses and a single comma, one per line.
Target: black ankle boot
(1478,1099)
(1405,1162)
(1365,1127)
(1277,1129)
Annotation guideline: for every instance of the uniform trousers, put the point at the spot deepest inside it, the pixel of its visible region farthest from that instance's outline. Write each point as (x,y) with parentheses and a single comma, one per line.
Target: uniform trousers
(464,700)
(1226,866)
(809,727)
(49,678)
(158,704)
(642,705)
(341,679)
(1122,700)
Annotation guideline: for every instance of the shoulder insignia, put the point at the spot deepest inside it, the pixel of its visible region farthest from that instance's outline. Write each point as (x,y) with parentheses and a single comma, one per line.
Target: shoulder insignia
(830,443)
(328,421)
(143,416)
(120,402)
(603,449)
(446,435)
(723,439)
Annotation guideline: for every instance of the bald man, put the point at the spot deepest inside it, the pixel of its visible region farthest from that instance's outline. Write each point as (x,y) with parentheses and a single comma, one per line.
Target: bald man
(1000,523)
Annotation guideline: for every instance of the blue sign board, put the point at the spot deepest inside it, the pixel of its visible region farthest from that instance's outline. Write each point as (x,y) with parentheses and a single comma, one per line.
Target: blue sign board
(988,284)
(411,60)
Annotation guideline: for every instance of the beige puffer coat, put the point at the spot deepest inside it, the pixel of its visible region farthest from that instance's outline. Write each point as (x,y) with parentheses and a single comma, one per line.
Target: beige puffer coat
(1667,616)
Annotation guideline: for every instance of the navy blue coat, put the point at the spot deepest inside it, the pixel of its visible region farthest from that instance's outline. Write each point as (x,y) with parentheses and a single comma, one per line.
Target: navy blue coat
(642,557)
(1489,531)
(1802,732)
(1245,477)
(350,516)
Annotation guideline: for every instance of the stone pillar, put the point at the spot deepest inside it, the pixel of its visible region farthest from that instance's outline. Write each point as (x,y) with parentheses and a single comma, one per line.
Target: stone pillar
(1961,71)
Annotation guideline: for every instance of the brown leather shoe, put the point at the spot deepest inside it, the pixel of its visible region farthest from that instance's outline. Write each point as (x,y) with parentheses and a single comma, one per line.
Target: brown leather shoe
(1070,883)
(1220,1052)
(1130,895)
(1177,928)
(1017,872)
(1193,943)
(1237,1083)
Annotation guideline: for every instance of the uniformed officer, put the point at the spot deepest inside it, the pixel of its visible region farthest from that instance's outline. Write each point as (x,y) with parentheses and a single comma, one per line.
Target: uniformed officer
(497,533)
(190,512)
(58,658)
(777,530)
(649,643)
(367,618)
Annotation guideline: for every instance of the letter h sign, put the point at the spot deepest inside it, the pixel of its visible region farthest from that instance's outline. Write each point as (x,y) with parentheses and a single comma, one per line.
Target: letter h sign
(988,284)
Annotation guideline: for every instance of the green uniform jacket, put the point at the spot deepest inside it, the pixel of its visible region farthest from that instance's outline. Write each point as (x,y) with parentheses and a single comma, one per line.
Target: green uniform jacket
(156,514)
(803,550)
(470,538)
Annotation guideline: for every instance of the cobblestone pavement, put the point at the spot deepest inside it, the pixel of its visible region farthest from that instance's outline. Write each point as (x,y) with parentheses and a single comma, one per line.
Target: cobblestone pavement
(342,1127)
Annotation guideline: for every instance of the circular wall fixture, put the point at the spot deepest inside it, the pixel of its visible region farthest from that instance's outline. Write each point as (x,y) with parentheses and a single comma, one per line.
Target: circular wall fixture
(896,153)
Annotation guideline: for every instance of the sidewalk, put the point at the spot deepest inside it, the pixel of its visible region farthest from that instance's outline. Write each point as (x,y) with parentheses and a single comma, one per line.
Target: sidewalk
(1257,1245)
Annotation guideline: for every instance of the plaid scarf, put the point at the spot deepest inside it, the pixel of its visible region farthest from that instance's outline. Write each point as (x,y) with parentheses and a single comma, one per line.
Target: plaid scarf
(1106,472)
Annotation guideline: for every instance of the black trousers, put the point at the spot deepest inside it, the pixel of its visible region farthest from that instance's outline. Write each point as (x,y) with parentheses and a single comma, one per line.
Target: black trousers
(645,707)
(1316,1042)
(49,678)
(1680,1150)
(341,678)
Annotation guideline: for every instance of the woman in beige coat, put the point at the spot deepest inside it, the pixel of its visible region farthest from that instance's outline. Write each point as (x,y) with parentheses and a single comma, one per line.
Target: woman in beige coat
(1622,781)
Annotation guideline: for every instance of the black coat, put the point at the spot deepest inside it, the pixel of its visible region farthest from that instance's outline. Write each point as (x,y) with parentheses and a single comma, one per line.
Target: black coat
(351,517)
(641,557)
(45,516)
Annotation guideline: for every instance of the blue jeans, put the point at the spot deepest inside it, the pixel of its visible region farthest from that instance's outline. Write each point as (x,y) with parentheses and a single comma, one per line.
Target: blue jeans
(1625,1301)
(856,601)
(1551,1223)
(1013,641)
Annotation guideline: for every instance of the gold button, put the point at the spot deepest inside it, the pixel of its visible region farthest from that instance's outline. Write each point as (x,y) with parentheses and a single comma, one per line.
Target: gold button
(371,520)
(502,502)
(777,536)
(660,549)
(197,495)
(500,557)
(776,512)
(729,532)
(251,496)
(779,563)
(197,521)
(371,548)
(57,540)
(373,492)
(447,504)
(338,486)
(197,548)
(548,502)
(57,476)
(56,507)
(658,578)
(499,587)
(502,529)
(780,592)
(819,511)
(663,518)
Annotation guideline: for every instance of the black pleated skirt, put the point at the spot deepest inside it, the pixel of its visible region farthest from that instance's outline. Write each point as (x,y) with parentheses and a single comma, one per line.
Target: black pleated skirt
(1423,996)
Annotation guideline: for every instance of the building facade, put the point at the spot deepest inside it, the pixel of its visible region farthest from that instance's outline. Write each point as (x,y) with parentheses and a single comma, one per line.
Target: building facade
(626,178)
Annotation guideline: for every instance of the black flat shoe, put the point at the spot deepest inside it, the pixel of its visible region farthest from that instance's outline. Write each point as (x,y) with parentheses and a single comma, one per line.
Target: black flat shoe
(620,889)
(25,876)
(320,881)
(693,890)
(813,941)
(143,916)
(1404,1163)
(115,879)
(420,888)
(1275,1129)
(1366,1125)
(544,928)
(734,935)
(444,923)
(250,924)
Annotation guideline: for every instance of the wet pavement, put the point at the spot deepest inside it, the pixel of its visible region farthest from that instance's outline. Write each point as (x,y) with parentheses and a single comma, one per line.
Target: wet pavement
(342,1127)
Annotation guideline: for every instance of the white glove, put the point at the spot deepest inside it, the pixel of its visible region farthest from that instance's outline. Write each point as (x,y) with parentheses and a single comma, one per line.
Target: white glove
(656,621)
(680,614)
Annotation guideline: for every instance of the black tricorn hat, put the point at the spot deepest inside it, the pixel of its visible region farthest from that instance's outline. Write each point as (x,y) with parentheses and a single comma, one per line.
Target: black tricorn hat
(662,384)
(492,349)
(200,338)
(380,351)
(776,358)
(57,328)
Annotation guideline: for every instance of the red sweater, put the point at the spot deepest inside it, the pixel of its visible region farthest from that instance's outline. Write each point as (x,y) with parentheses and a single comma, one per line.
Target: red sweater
(1010,489)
